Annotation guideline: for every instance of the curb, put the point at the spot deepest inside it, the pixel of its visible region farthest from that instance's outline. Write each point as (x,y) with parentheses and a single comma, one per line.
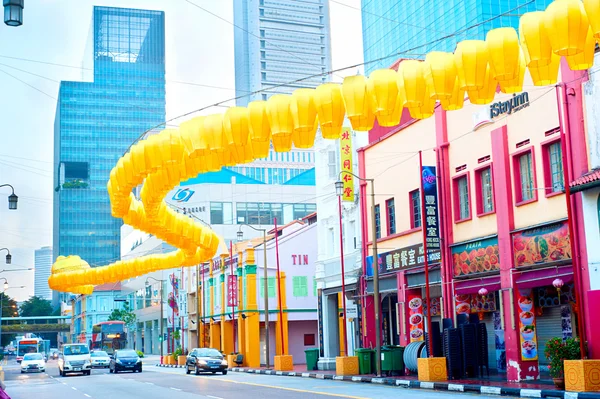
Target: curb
(172,366)
(437,386)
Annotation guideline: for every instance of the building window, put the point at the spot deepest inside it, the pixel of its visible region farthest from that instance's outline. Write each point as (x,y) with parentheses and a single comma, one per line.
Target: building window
(485,190)
(332,164)
(553,168)
(377,222)
(309,339)
(300,286)
(216,213)
(391,216)
(462,198)
(524,176)
(270,287)
(415,209)
(303,210)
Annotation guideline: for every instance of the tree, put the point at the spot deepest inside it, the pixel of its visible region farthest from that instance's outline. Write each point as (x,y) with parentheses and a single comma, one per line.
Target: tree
(125,315)
(36,306)
(9,306)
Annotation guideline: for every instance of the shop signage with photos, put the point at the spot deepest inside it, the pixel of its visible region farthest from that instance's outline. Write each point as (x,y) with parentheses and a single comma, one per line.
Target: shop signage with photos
(476,257)
(432,227)
(416,318)
(475,303)
(527,324)
(436,309)
(346,164)
(540,245)
(403,258)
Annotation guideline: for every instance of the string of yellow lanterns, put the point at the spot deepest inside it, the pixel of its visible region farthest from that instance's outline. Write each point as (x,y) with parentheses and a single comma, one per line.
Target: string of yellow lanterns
(567,28)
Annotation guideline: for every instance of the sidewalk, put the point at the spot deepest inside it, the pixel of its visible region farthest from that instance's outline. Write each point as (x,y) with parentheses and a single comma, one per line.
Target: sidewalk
(492,386)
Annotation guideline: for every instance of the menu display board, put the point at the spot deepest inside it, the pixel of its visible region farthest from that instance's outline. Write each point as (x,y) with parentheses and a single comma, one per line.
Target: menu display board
(476,257)
(527,325)
(475,303)
(416,318)
(541,245)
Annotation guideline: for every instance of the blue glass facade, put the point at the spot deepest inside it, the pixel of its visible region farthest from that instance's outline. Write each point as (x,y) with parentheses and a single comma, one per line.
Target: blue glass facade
(97,121)
(277,42)
(416,27)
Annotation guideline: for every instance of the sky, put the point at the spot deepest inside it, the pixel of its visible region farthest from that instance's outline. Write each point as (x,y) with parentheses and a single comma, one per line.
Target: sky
(49,47)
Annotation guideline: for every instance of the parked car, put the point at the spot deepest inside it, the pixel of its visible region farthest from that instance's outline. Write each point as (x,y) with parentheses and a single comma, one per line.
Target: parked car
(33,362)
(125,360)
(205,360)
(100,359)
(74,358)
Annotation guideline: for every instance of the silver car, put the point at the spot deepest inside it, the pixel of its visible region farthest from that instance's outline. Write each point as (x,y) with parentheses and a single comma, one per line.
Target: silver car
(100,359)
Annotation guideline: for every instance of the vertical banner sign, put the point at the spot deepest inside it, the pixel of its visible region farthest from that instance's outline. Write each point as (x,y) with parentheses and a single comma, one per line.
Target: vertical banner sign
(346,164)
(232,300)
(320,317)
(527,325)
(431,207)
(415,318)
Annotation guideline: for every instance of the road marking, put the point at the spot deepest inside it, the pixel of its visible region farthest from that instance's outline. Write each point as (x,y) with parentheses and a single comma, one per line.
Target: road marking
(73,388)
(86,395)
(150,383)
(175,389)
(213,397)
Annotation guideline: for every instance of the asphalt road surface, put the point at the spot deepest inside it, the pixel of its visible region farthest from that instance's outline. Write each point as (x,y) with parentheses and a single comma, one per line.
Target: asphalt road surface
(163,383)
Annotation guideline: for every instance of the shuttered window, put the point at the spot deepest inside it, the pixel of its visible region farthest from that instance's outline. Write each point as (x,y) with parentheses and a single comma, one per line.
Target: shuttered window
(300,286)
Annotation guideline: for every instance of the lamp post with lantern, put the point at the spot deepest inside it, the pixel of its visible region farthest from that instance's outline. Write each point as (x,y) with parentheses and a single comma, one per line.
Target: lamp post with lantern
(12,199)
(13,12)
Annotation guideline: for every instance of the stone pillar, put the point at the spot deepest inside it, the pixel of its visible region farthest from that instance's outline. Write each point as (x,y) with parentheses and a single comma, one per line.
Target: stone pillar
(252,324)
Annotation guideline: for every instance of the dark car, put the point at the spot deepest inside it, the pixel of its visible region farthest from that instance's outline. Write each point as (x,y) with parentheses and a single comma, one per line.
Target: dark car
(125,360)
(205,360)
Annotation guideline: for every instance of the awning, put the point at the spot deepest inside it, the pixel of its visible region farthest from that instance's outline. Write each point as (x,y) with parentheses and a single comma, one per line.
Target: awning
(543,277)
(335,290)
(589,180)
(385,285)
(472,285)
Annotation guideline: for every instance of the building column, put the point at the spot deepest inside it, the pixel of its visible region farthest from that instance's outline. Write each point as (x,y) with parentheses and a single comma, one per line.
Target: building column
(331,332)
(278,325)
(240,321)
(252,328)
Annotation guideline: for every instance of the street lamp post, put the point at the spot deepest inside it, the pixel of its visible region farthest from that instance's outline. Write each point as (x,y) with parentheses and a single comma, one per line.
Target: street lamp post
(13,12)
(375,266)
(161,282)
(240,237)
(8,256)
(339,188)
(12,199)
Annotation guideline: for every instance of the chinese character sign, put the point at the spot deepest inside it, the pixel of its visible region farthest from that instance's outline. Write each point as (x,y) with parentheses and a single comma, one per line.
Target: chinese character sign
(232,300)
(430,213)
(346,163)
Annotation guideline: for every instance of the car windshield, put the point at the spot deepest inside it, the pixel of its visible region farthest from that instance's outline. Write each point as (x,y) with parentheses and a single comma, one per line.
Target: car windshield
(209,353)
(33,356)
(127,354)
(99,354)
(76,350)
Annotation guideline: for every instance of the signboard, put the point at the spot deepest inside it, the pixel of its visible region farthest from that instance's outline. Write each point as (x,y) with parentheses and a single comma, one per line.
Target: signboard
(516,103)
(352,312)
(545,244)
(432,227)
(476,257)
(527,325)
(403,258)
(416,318)
(346,164)
(232,298)
(475,303)
(320,318)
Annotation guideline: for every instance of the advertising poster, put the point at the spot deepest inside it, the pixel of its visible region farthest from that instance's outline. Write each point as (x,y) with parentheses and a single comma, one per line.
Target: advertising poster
(346,164)
(431,207)
(415,318)
(435,307)
(545,244)
(475,303)
(476,257)
(527,326)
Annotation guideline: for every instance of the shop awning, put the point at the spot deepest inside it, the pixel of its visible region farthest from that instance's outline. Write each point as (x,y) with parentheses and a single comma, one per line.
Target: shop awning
(542,277)
(335,290)
(472,285)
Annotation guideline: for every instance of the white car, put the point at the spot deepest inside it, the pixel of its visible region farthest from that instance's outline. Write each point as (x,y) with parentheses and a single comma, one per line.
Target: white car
(33,362)
(100,359)
(74,358)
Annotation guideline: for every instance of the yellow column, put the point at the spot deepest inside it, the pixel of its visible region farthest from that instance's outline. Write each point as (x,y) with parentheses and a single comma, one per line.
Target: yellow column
(240,308)
(283,362)
(341,326)
(252,328)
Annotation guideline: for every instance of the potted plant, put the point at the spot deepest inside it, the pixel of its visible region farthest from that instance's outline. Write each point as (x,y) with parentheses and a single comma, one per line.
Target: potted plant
(557,351)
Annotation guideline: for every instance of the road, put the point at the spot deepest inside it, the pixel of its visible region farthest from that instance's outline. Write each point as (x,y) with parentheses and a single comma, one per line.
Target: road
(160,383)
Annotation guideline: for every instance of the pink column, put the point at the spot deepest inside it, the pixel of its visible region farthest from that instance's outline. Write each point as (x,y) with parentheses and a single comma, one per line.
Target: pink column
(517,369)
(401,281)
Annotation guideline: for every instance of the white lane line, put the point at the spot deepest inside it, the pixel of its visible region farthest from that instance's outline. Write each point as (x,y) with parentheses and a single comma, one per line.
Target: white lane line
(213,397)
(175,389)
(150,383)
(73,388)
(86,395)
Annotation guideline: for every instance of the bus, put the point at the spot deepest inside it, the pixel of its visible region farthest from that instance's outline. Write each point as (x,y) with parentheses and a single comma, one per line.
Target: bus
(109,336)
(28,345)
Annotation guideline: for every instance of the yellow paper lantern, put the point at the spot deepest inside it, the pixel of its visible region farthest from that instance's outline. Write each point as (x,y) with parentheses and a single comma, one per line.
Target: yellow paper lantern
(567,26)
(282,142)
(471,62)
(456,100)
(515,85)
(330,109)
(412,75)
(486,94)
(193,137)
(152,153)
(358,102)
(592,10)
(236,124)
(545,75)
(440,74)
(138,160)
(504,51)
(426,110)
(383,85)
(585,59)
(304,116)
(281,122)
(534,39)
(260,129)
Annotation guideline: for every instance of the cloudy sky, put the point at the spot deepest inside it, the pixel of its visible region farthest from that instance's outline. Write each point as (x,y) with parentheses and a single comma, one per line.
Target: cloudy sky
(49,47)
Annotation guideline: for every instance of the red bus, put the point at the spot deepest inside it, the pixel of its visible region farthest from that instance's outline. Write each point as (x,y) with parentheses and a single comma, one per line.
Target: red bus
(109,336)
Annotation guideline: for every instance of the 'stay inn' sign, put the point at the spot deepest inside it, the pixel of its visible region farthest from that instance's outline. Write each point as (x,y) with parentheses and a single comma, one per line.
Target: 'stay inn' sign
(516,103)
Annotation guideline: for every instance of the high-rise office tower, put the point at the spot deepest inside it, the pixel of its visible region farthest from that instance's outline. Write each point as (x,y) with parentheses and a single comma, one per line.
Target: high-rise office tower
(395,29)
(43,264)
(96,122)
(278,42)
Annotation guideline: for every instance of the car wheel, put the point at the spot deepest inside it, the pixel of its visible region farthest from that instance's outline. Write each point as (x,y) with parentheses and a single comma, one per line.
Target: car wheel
(197,371)
(89,372)
(116,372)
(187,370)
(22,372)
(224,372)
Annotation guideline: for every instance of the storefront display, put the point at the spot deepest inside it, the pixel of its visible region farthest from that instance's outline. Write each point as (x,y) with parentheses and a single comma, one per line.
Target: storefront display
(475,303)
(416,318)
(527,324)
(476,257)
(542,245)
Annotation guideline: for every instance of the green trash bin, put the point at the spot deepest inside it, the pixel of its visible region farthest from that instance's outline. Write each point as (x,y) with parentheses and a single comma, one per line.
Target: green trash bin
(312,358)
(387,363)
(398,359)
(365,360)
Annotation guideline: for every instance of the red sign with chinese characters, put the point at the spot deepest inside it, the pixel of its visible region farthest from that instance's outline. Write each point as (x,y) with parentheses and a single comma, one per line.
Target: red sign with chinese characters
(232,297)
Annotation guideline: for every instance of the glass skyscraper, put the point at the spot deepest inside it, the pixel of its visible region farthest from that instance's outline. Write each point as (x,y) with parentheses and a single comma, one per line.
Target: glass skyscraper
(97,121)
(277,42)
(43,264)
(411,28)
